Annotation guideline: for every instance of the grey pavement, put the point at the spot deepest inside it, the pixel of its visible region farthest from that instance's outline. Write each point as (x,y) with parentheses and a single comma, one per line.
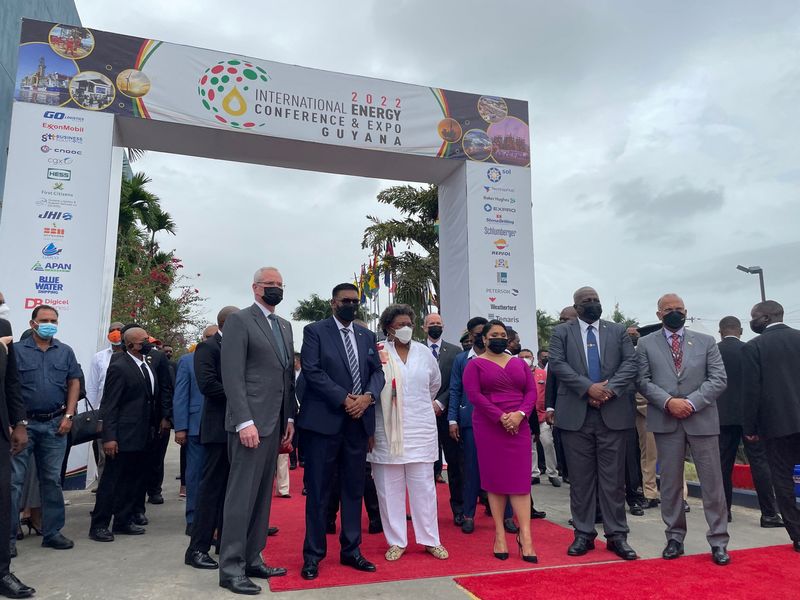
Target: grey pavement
(151,566)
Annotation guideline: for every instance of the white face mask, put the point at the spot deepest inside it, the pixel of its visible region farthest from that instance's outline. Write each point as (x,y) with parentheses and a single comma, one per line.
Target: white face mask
(528,361)
(4,310)
(403,335)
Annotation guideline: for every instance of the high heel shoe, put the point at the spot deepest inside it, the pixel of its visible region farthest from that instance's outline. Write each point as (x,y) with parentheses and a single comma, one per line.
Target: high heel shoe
(27,522)
(500,555)
(527,558)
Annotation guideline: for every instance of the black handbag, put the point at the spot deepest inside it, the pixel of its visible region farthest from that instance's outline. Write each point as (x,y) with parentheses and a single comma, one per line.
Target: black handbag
(86,426)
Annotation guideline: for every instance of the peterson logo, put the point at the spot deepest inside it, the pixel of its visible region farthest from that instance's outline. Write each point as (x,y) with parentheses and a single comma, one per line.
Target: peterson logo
(222,89)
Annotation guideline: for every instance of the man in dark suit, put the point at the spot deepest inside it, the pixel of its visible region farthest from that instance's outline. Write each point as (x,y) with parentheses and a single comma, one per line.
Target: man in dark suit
(595,364)
(445,353)
(211,495)
(343,378)
(154,475)
(681,374)
(567,314)
(258,378)
(13,438)
(129,396)
(772,413)
(731,415)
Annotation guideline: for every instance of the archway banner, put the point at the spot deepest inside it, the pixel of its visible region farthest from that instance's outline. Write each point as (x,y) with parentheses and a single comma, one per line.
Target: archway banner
(64,65)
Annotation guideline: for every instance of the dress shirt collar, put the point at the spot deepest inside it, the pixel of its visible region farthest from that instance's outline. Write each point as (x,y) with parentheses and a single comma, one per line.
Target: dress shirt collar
(736,337)
(585,326)
(340,325)
(138,361)
(472,353)
(267,312)
(668,334)
(773,324)
(437,342)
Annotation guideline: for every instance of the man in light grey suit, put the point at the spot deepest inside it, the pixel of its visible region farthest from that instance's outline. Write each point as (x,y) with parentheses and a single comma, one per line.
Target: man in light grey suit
(681,374)
(595,364)
(258,377)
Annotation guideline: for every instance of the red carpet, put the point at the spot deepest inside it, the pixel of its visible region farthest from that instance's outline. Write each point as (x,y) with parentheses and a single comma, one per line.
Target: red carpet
(468,553)
(754,574)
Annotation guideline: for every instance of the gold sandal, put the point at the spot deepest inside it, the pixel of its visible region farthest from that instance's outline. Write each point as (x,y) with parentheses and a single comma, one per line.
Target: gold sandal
(394,552)
(437,552)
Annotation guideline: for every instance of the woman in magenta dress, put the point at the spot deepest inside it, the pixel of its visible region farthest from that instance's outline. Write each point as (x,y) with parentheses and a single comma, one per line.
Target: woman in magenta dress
(503,393)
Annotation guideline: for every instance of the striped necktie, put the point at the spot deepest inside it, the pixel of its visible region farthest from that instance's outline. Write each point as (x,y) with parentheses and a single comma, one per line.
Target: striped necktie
(355,374)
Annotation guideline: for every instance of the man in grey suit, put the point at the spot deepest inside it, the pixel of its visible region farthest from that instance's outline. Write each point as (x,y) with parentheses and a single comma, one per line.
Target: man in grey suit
(595,364)
(258,377)
(681,374)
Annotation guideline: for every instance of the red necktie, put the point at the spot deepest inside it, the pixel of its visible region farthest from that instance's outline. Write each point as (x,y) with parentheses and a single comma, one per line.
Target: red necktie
(677,353)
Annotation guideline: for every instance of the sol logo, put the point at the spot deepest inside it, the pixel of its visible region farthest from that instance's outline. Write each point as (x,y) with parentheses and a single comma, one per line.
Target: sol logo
(220,90)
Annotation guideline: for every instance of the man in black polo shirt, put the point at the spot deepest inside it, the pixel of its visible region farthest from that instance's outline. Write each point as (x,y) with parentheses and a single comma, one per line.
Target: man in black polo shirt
(50,379)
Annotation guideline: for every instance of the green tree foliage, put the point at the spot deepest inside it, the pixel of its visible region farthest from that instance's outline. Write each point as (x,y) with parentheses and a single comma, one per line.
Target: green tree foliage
(619,317)
(415,270)
(149,286)
(544,327)
(315,309)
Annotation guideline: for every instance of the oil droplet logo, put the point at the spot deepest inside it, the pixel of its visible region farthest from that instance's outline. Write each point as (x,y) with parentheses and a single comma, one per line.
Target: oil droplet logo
(223,90)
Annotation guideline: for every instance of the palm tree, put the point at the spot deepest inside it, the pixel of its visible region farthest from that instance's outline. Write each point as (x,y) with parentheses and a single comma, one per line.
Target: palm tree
(415,273)
(313,309)
(155,221)
(544,327)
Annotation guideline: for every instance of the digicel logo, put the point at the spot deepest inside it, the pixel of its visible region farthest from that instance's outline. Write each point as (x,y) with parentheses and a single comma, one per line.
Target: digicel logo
(34,302)
(500,244)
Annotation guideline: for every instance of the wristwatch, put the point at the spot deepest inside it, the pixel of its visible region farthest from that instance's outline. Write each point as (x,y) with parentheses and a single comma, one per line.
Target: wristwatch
(23,422)
(68,416)
(522,412)
(371,398)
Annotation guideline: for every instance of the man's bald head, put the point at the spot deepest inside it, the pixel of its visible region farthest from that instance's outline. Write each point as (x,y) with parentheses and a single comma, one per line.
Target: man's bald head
(764,314)
(135,335)
(224,314)
(210,331)
(669,299)
(568,313)
(584,292)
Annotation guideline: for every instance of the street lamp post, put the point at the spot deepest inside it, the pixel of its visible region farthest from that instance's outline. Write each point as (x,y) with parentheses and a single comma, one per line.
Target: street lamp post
(753,271)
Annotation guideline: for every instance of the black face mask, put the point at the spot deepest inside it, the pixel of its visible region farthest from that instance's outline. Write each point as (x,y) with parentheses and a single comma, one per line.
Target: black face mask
(758,325)
(346,313)
(478,343)
(272,296)
(498,345)
(590,310)
(634,339)
(544,361)
(147,347)
(674,320)
(435,332)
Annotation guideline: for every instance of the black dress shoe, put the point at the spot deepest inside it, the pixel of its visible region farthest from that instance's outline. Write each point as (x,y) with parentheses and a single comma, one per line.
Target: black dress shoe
(310,570)
(771,521)
(510,526)
(730,518)
(263,571)
(101,534)
(199,560)
(796,546)
(129,529)
(580,546)
(622,549)
(272,531)
(637,511)
(139,519)
(458,519)
(58,542)
(468,526)
(375,527)
(673,550)
(652,503)
(11,587)
(305,492)
(554,481)
(538,514)
(358,562)
(686,507)
(535,481)
(720,556)
(156,499)
(241,585)
(330,528)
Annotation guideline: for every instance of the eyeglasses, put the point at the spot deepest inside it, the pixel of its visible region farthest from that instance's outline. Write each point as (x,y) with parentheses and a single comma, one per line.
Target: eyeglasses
(271,284)
(352,301)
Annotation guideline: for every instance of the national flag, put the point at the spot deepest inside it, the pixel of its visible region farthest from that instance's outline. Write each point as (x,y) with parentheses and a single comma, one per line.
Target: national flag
(387,272)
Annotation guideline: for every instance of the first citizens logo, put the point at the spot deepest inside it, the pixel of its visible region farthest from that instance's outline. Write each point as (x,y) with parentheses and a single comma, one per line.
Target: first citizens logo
(222,90)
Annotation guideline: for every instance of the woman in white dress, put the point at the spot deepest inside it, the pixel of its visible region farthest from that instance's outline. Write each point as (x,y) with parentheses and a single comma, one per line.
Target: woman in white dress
(405,445)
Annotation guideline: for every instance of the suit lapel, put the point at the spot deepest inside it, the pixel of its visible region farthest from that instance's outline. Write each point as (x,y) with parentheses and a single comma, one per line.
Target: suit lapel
(689,348)
(264,326)
(363,353)
(287,344)
(137,372)
(603,341)
(575,330)
(338,342)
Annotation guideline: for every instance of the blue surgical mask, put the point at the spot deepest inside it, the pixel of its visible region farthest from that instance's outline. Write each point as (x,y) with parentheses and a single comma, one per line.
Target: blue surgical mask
(47,330)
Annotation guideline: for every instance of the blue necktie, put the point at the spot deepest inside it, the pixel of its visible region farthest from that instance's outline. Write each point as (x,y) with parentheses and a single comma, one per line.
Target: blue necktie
(435,353)
(593,355)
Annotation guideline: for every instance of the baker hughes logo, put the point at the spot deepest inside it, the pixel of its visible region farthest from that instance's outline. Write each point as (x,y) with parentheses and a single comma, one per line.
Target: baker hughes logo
(223,89)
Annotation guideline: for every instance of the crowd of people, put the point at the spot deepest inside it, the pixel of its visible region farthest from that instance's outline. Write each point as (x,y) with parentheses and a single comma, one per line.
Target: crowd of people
(369,415)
